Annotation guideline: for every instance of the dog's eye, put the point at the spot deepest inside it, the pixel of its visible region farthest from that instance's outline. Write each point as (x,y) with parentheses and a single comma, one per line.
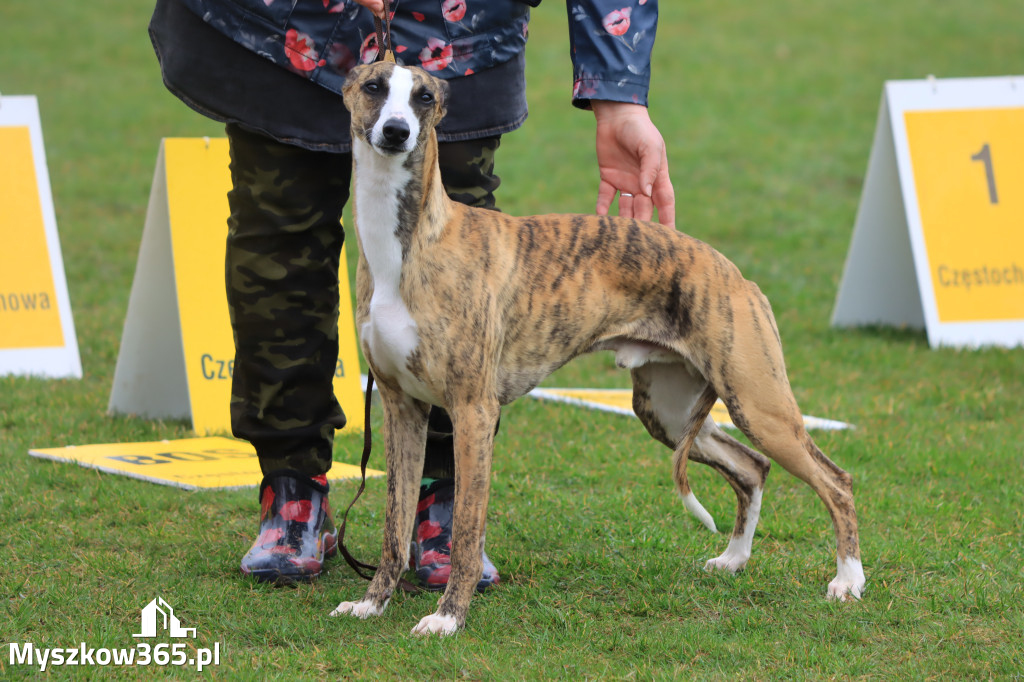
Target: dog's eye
(427,97)
(371,87)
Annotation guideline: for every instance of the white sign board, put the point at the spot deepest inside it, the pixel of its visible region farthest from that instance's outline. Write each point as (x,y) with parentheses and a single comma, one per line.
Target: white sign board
(37,331)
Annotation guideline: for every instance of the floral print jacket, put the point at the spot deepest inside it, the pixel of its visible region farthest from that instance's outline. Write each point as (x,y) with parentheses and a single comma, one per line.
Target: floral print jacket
(611,40)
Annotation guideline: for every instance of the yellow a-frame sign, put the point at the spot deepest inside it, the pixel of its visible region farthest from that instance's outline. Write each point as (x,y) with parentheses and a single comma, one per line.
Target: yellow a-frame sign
(177,349)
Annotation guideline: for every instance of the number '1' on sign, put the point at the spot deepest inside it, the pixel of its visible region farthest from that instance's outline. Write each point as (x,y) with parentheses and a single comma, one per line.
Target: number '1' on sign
(985,156)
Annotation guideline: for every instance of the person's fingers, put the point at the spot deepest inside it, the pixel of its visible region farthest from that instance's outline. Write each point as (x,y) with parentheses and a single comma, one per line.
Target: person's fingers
(626,204)
(665,200)
(664,196)
(642,207)
(667,212)
(375,6)
(605,196)
(650,168)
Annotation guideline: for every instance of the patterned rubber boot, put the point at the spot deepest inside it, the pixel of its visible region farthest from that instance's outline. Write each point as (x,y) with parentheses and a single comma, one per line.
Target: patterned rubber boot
(297,532)
(432,544)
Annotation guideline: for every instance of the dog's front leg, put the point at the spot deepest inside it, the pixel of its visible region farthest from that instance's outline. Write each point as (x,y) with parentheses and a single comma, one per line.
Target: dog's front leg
(474,445)
(405,434)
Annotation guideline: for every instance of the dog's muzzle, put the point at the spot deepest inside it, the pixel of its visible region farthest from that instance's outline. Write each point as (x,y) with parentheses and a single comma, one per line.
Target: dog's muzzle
(394,134)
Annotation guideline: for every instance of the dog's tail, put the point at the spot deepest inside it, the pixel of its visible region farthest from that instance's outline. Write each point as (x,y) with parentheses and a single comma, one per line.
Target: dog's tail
(700,412)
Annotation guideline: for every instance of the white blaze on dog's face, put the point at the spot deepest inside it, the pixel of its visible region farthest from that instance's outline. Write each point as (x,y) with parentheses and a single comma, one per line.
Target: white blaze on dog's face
(391,105)
(397,126)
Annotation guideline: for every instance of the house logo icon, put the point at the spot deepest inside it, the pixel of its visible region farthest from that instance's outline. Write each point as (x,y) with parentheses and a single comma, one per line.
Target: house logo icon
(159,613)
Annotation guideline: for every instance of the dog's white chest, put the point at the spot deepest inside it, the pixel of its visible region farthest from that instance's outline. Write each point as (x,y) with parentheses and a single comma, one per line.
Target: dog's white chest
(390,334)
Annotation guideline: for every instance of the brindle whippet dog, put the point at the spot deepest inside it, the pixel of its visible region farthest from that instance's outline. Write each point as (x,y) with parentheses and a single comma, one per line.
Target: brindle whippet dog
(469,309)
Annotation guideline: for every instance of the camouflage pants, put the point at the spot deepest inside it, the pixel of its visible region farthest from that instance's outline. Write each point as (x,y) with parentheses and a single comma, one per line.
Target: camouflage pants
(283,250)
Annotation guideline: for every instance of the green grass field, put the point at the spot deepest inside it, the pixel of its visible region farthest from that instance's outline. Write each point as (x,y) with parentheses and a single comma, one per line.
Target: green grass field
(769,111)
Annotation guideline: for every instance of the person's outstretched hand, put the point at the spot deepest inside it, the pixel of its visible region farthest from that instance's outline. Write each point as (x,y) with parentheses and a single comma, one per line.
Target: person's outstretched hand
(632,161)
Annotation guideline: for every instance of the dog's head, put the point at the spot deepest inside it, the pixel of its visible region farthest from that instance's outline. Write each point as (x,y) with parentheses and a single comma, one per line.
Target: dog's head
(393,107)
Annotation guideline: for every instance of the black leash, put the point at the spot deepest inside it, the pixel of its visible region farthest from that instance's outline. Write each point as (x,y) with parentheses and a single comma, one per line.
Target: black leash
(385,52)
(357,565)
(384,46)
(383,28)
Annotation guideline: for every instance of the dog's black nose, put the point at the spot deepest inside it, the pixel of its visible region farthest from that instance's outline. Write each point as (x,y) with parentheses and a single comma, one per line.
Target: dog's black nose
(396,131)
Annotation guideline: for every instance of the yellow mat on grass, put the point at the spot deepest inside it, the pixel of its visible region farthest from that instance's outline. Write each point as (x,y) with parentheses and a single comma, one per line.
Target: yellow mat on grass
(190,463)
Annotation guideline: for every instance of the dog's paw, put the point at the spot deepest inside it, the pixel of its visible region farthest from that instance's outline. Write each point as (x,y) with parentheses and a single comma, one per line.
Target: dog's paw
(359,609)
(730,561)
(849,581)
(435,624)
(844,590)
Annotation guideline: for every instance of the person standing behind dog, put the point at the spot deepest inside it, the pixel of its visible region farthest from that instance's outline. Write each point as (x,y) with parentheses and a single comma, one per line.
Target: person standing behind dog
(272,71)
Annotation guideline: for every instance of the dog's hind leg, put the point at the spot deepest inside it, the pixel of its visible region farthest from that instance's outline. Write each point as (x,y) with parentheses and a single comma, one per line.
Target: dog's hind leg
(746,471)
(664,395)
(475,424)
(405,435)
(791,446)
(764,408)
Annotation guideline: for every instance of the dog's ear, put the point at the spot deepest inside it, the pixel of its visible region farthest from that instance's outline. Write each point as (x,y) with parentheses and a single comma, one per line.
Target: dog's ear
(350,82)
(443,90)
